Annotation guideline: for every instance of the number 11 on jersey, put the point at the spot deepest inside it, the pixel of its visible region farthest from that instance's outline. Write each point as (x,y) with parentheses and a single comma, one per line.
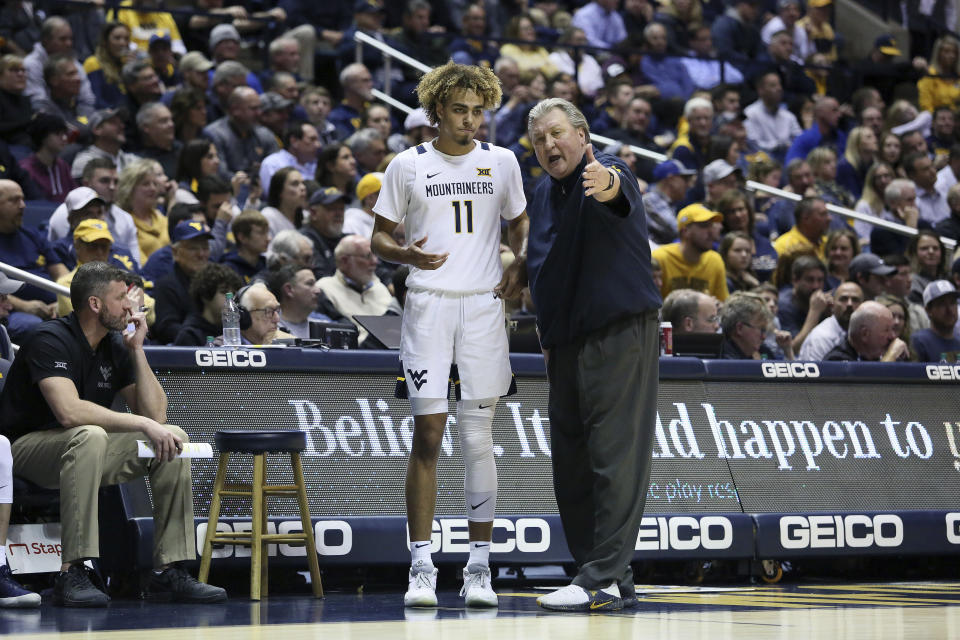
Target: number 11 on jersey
(468,206)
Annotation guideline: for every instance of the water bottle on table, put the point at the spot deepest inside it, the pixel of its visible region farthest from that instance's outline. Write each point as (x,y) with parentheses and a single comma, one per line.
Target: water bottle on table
(231,322)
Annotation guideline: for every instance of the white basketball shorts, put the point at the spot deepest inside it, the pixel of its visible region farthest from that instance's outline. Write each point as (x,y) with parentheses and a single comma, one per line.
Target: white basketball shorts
(469,330)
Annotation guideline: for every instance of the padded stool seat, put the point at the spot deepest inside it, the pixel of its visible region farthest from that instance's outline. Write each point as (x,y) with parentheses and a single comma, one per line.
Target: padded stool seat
(279,441)
(259,443)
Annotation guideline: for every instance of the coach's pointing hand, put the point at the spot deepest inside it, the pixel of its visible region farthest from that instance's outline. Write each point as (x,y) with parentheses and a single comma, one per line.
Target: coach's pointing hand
(599,181)
(420,259)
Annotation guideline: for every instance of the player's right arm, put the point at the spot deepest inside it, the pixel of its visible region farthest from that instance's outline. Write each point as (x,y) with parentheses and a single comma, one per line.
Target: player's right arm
(388,249)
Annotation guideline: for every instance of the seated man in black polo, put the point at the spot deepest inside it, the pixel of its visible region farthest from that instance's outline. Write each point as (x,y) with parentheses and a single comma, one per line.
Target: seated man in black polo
(191,252)
(56,413)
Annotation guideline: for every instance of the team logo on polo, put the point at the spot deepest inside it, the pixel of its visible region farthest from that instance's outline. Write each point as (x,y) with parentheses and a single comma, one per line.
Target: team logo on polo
(105,372)
(483,173)
(419,378)
(60,365)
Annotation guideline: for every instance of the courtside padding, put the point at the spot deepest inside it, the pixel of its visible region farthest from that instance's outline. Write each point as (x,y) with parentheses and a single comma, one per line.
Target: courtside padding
(751,459)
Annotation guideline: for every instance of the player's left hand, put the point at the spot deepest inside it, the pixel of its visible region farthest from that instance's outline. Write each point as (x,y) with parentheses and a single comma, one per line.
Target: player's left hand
(513,281)
(596,179)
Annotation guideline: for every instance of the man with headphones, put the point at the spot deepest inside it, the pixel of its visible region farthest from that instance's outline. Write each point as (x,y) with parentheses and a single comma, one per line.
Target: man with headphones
(259,315)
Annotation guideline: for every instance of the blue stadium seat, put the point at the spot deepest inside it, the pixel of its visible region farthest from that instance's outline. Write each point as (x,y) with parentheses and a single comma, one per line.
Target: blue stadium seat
(37,213)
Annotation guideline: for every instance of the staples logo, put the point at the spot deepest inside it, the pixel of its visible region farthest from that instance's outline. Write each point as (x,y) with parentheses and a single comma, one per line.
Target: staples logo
(790,370)
(239,358)
(34,548)
(684,533)
(835,532)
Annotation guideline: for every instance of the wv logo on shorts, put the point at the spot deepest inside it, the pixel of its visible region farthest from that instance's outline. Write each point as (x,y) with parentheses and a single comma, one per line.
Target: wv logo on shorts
(483,172)
(419,378)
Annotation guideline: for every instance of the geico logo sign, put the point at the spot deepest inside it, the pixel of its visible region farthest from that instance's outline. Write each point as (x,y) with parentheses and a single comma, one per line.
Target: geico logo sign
(332,537)
(834,532)
(943,372)
(953,528)
(790,370)
(230,358)
(684,533)
(526,535)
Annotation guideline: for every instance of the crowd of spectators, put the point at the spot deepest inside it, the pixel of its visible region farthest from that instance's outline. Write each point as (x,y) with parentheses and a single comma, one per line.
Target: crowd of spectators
(229,148)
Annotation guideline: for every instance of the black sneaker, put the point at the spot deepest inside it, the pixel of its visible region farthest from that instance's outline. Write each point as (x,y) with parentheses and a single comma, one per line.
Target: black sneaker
(174,583)
(74,588)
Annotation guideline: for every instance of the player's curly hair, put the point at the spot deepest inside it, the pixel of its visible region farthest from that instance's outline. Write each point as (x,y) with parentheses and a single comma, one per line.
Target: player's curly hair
(436,86)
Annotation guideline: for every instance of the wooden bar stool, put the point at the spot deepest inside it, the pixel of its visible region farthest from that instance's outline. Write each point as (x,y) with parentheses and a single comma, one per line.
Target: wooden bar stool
(259,443)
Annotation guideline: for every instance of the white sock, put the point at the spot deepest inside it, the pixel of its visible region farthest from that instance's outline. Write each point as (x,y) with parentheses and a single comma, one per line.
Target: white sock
(479,553)
(3,555)
(420,557)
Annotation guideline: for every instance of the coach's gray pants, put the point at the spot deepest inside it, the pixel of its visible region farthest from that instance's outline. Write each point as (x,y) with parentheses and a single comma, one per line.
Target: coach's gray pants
(603,403)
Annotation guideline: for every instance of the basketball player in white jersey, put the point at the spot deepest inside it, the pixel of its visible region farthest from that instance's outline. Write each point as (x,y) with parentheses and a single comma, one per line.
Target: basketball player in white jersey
(450,194)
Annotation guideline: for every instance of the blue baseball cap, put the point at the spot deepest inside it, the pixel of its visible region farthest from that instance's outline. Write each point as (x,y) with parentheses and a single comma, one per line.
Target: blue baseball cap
(669,168)
(190,229)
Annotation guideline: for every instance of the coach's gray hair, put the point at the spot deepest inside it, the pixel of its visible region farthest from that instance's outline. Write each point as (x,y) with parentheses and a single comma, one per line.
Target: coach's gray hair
(574,115)
(742,307)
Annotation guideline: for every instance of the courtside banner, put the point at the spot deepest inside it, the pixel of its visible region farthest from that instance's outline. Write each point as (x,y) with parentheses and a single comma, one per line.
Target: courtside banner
(730,437)
(34,548)
(866,533)
(516,539)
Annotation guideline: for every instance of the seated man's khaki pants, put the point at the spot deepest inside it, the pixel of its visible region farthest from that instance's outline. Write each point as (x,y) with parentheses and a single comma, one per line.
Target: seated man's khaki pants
(79,460)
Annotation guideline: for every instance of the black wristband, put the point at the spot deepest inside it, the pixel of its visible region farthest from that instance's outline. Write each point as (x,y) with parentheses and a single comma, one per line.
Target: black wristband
(609,186)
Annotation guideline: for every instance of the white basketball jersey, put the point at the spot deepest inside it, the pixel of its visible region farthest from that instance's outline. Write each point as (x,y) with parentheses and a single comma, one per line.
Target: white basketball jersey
(457,203)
